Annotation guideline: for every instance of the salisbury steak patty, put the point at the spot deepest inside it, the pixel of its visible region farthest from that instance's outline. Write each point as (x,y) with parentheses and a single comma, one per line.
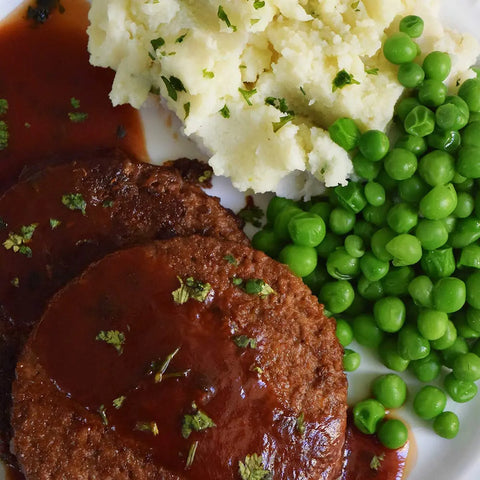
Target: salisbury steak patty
(179,359)
(55,223)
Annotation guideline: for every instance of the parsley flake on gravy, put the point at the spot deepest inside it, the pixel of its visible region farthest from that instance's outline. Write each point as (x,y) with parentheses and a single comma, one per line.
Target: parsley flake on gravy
(3,106)
(77,117)
(255,286)
(118,402)
(114,338)
(75,201)
(191,288)
(196,423)
(231,259)
(243,341)
(376,461)
(252,468)
(4,135)
(191,455)
(300,424)
(17,242)
(54,223)
(15,282)
(158,368)
(103,414)
(342,79)
(251,214)
(151,427)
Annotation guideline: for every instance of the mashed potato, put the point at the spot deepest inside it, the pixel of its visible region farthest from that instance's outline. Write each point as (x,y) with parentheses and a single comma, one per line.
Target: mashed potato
(252,80)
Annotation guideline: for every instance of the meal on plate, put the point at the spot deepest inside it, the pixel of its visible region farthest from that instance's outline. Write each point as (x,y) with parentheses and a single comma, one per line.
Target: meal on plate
(144,335)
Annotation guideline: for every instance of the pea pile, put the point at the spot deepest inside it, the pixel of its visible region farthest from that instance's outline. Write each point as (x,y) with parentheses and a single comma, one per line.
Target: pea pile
(395,254)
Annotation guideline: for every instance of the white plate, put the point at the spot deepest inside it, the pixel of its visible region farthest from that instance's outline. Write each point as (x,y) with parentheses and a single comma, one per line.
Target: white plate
(436,458)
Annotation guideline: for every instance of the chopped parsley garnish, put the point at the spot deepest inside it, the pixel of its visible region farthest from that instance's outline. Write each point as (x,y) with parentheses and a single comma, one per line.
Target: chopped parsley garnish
(181,38)
(342,79)
(376,461)
(157,42)
(246,94)
(114,338)
(118,402)
(206,175)
(237,281)
(283,120)
(3,224)
(186,109)
(253,21)
(252,468)
(230,259)
(256,369)
(302,90)
(77,117)
(207,74)
(54,223)
(251,214)
(103,414)
(258,4)
(371,71)
(224,17)
(3,106)
(242,341)
(74,201)
(191,455)
(191,288)
(107,203)
(17,242)
(151,427)
(173,85)
(279,104)
(27,125)
(257,286)
(225,112)
(159,368)
(355,5)
(196,423)
(300,424)
(15,282)
(74,102)
(4,135)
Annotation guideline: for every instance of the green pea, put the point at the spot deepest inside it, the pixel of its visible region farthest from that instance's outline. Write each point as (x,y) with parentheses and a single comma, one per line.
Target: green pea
(374,193)
(439,202)
(341,265)
(461,391)
(470,92)
(450,223)
(328,245)
(337,296)
(427,369)
(447,339)
(363,229)
(300,259)
(465,205)
(390,357)
(471,135)
(412,143)
(402,217)
(446,140)
(438,263)
(466,232)
(432,324)
(400,164)
(412,189)
(429,402)
(390,390)
(372,268)
(316,279)
(461,104)
(432,93)
(466,366)
(405,249)
(420,121)
(341,221)
(368,289)
(449,117)
(374,145)
(449,354)
(470,257)
(364,168)
(366,331)
(322,209)
(463,328)
(449,294)
(266,241)
(307,231)
(464,185)
(281,220)
(410,75)
(467,162)
(473,289)
(446,425)
(367,414)
(358,306)
(412,25)
(343,332)
(344,132)
(475,348)
(378,242)
(387,182)
(399,48)
(396,281)
(431,233)
(437,65)
(351,360)
(420,289)
(411,344)
(437,168)
(277,205)
(389,313)
(354,246)
(405,106)
(393,434)
(376,215)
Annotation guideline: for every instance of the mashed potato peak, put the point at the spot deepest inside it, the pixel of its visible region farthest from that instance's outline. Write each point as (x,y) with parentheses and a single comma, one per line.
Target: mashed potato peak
(252,80)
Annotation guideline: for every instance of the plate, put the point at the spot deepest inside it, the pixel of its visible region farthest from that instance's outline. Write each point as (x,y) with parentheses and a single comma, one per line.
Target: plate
(432,456)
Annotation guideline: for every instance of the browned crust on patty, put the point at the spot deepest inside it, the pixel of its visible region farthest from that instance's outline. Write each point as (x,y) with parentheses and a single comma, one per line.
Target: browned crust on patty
(300,357)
